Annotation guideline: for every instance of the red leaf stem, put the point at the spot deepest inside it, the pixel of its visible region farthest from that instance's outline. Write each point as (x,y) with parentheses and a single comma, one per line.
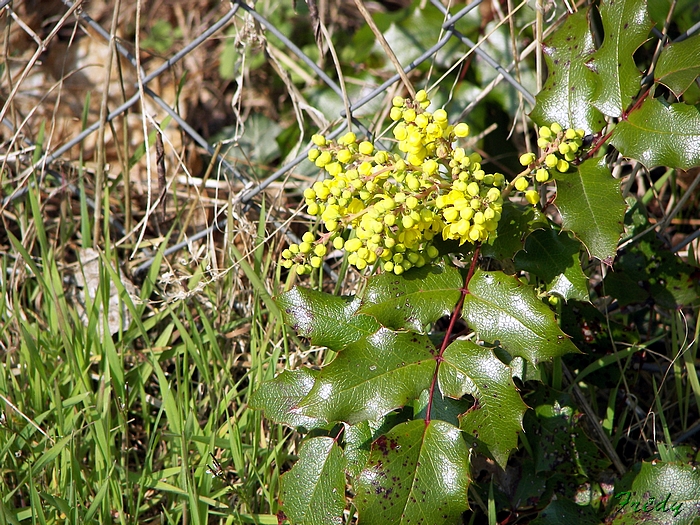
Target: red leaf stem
(448,333)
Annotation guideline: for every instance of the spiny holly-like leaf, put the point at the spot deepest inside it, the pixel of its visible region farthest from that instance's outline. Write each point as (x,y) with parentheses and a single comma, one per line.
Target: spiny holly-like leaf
(516,223)
(658,493)
(555,258)
(500,308)
(412,300)
(417,474)
(313,492)
(325,319)
(497,415)
(280,396)
(566,95)
(372,377)
(592,207)
(626,25)
(659,135)
(679,65)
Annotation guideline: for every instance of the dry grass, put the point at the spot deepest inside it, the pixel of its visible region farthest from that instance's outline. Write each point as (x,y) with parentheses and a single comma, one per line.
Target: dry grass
(121,412)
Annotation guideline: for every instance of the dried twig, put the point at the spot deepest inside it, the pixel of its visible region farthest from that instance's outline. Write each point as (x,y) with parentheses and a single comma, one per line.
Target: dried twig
(390,53)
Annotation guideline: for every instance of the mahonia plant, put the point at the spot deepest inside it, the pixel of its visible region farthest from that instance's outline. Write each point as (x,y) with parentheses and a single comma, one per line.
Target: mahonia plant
(427,354)
(385,209)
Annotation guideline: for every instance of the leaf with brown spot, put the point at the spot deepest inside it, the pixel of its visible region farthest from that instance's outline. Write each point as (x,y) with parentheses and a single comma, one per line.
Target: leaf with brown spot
(626,26)
(417,474)
(566,95)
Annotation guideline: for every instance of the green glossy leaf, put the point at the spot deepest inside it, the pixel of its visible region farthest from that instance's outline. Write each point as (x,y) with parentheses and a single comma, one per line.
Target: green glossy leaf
(412,300)
(313,492)
(592,207)
(358,439)
(679,65)
(417,474)
(566,95)
(279,397)
(497,415)
(555,259)
(443,408)
(516,223)
(325,319)
(501,308)
(372,377)
(626,25)
(659,135)
(657,493)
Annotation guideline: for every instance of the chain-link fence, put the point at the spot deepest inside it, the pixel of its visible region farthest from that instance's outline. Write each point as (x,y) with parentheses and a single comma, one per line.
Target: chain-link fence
(230,23)
(32,40)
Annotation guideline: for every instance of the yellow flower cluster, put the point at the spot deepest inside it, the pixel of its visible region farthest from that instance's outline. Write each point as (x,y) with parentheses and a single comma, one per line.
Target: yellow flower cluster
(559,148)
(385,209)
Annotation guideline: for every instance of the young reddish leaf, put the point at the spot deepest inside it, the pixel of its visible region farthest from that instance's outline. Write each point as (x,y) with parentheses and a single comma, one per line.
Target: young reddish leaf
(679,65)
(501,308)
(279,397)
(659,135)
(313,492)
(325,319)
(592,207)
(372,377)
(555,259)
(659,493)
(417,474)
(497,415)
(566,95)
(414,299)
(626,25)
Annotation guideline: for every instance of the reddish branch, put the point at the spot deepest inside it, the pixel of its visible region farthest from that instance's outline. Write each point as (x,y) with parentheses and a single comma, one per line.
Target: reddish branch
(604,139)
(450,329)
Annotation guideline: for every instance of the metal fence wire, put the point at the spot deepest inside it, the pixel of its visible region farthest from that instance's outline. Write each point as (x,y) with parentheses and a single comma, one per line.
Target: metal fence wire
(15,82)
(241,12)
